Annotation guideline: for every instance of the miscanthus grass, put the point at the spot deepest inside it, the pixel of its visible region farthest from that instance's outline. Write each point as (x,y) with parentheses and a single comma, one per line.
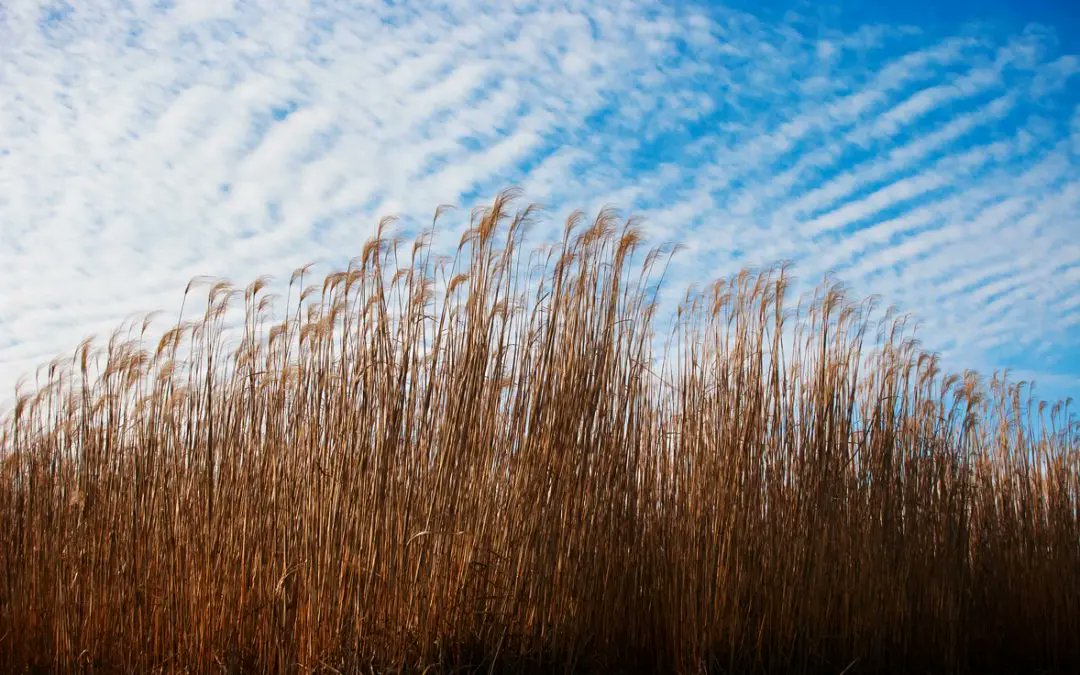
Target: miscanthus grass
(478,462)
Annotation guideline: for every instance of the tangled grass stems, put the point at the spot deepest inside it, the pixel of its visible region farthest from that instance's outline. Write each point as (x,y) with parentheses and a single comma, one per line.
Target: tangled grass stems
(479,464)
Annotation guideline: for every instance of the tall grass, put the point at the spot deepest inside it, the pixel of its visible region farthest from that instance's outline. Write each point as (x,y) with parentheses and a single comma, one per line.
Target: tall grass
(478,462)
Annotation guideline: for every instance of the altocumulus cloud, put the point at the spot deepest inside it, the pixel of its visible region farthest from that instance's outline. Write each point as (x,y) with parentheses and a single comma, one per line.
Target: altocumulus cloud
(142,143)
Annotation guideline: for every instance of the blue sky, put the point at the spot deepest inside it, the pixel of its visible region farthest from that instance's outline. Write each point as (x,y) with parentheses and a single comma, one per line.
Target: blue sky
(928,153)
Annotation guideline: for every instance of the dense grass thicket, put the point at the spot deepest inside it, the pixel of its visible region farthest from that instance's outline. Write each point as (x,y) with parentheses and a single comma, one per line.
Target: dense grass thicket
(478,462)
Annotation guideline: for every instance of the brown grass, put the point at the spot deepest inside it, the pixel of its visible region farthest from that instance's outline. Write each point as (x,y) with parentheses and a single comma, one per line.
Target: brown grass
(479,463)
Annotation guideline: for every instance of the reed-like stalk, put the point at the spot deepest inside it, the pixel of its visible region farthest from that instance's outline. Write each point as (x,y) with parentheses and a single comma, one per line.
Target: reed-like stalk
(480,463)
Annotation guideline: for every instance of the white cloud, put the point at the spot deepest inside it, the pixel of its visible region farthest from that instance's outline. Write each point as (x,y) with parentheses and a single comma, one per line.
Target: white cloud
(189,12)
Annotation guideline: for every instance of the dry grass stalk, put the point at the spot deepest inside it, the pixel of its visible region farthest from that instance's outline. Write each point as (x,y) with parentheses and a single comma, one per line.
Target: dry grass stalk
(479,463)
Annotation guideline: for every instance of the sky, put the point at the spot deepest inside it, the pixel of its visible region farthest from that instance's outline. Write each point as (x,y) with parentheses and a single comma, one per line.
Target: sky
(924,152)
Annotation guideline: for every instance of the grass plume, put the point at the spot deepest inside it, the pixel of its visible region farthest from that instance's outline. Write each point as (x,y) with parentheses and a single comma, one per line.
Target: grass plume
(478,462)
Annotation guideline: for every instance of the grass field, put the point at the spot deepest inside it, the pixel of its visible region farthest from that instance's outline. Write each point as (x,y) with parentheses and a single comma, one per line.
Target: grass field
(483,462)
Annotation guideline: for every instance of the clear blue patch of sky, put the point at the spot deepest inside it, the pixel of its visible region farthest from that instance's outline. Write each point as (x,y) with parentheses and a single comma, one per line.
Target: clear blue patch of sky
(54,14)
(281,111)
(932,17)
